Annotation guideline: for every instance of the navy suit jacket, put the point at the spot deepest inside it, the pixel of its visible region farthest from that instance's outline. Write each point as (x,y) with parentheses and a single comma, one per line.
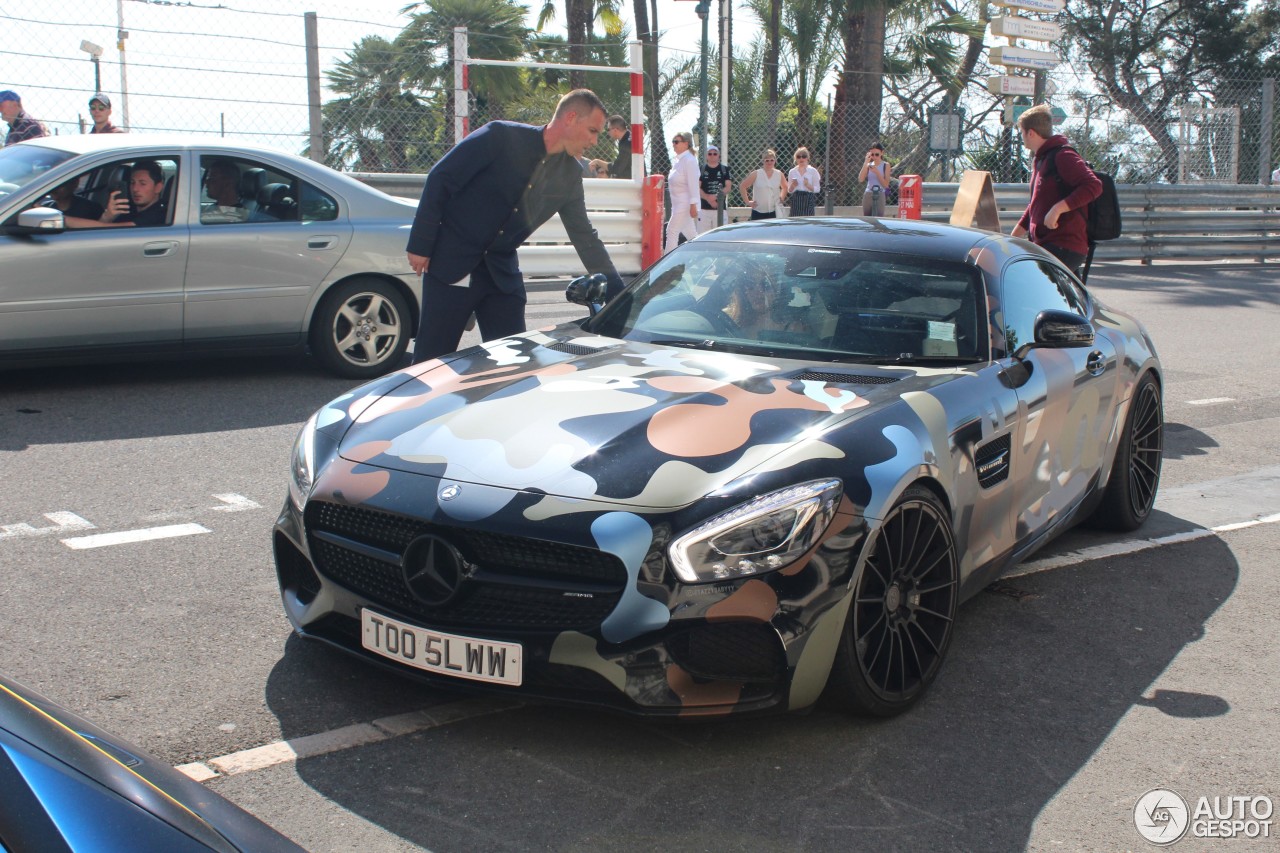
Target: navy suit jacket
(488,194)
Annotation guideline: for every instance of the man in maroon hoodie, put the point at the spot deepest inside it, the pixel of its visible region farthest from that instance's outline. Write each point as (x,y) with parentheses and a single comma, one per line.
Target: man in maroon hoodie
(1055,218)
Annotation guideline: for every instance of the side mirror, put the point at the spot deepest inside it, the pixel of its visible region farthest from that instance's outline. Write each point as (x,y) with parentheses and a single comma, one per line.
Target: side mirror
(1057,329)
(38,220)
(587,290)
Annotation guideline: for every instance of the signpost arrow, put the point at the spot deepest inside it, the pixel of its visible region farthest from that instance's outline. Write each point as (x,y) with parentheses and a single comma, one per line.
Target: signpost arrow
(1023,57)
(1007,84)
(1012,26)
(1049,6)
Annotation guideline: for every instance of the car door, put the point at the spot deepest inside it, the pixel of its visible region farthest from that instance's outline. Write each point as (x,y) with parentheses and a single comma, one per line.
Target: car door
(1063,424)
(95,287)
(252,273)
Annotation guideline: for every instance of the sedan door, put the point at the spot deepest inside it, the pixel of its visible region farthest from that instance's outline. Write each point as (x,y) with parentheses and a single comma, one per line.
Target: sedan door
(1065,402)
(255,264)
(93,287)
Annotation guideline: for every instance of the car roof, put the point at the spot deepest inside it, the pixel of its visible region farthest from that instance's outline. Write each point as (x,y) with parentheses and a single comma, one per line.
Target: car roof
(900,236)
(88,143)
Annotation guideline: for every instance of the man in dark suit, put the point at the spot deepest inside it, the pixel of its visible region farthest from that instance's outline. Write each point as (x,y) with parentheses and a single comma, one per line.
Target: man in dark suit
(620,133)
(481,202)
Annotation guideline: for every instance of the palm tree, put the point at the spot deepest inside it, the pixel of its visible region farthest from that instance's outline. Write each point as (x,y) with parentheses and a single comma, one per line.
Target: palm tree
(495,30)
(579,15)
(374,126)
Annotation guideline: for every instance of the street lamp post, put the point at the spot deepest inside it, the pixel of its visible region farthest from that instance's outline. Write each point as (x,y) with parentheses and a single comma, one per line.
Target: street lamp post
(704,12)
(95,53)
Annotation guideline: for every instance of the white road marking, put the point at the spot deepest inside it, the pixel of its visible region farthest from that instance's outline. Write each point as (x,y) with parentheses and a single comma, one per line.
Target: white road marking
(123,537)
(360,734)
(1209,401)
(63,522)
(235,503)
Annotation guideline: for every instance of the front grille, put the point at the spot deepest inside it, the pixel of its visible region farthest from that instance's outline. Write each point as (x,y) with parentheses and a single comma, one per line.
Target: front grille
(518,583)
(845,378)
(733,651)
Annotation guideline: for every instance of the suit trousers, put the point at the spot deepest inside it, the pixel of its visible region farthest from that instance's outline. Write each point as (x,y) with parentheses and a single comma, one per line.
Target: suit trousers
(447,307)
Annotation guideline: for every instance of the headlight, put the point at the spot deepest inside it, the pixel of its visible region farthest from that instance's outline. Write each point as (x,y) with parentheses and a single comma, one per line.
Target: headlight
(763,535)
(302,464)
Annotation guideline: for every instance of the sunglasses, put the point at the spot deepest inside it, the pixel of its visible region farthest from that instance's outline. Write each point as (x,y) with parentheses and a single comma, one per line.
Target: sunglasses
(769,159)
(97,107)
(677,141)
(875,156)
(802,156)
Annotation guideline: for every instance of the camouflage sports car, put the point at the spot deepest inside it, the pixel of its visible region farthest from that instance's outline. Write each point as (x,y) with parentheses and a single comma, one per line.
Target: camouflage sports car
(770,469)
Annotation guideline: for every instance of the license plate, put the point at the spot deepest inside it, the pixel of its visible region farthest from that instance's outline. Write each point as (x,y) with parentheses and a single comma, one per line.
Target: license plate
(444,654)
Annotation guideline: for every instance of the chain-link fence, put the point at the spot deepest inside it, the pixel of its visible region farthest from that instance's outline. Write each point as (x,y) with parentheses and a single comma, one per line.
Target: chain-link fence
(384,83)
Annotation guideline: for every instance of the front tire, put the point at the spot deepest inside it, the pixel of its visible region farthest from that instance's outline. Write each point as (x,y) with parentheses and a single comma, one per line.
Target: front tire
(361,329)
(1135,472)
(903,610)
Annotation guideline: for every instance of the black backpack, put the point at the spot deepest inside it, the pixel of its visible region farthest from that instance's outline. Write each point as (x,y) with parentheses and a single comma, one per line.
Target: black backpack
(1102,216)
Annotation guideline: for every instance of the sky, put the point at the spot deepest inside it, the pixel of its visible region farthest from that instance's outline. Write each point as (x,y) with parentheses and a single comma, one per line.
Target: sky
(222,66)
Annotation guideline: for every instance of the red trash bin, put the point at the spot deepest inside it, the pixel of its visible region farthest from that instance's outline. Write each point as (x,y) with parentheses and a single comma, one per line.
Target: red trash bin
(910,192)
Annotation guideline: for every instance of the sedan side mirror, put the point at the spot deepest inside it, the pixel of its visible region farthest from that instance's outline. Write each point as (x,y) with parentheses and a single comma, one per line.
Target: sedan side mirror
(1056,329)
(39,220)
(587,290)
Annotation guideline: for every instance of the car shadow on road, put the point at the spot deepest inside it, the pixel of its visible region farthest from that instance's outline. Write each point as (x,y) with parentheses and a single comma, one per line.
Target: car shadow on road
(1042,669)
(61,405)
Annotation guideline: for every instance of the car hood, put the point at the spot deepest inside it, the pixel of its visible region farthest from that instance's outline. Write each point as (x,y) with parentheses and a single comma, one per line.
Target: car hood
(591,418)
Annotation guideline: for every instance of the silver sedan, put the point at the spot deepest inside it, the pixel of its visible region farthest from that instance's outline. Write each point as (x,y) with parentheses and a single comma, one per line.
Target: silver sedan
(120,246)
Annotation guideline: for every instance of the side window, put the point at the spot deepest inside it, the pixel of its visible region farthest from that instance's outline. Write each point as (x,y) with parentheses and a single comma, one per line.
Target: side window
(235,190)
(317,205)
(1029,287)
(134,192)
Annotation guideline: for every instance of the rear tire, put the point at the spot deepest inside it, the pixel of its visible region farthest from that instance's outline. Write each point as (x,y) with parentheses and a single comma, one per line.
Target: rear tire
(903,611)
(1135,472)
(361,329)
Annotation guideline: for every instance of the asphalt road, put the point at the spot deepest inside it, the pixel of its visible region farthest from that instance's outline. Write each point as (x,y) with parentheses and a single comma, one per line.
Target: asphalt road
(1106,667)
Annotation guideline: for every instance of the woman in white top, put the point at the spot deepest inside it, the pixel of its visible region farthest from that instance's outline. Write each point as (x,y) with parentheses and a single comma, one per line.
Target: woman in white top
(764,189)
(803,184)
(877,172)
(683,183)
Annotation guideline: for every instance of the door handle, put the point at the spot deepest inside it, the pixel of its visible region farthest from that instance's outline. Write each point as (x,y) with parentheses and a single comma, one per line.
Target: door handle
(1096,363)
(159,249)
(325,242)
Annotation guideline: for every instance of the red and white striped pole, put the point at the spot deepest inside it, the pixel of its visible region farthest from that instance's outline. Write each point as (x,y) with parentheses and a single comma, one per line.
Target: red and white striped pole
(461,99)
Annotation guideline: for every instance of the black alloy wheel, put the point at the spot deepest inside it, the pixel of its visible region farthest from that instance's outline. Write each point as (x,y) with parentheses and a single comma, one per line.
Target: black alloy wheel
(903,610)
(1135,474)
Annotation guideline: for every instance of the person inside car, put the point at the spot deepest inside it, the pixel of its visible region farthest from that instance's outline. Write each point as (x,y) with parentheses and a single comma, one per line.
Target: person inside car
(65,199)
(146,189)
(222,184)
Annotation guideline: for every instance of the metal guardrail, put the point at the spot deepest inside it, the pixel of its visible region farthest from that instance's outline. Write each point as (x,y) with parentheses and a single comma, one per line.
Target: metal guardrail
(1161,221)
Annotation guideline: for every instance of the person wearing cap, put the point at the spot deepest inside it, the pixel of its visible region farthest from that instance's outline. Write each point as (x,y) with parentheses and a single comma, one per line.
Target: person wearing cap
(21,125)
(714,179)
(100,110)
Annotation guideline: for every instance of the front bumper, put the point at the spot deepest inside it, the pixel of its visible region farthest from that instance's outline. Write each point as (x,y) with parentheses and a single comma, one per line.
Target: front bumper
(738,646)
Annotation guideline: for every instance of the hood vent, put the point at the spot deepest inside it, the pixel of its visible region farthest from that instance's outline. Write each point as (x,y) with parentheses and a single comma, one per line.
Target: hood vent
(844,378)
(574,349)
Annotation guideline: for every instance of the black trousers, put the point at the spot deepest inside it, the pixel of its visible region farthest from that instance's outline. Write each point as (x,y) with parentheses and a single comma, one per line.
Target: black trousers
(1073,261)
(447,307)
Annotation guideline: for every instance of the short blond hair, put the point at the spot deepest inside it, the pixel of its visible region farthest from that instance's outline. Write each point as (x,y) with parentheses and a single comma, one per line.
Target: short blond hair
(802,150)
(1037,118)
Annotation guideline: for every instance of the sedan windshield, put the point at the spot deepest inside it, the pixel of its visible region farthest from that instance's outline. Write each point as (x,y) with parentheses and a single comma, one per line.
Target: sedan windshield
(805,302)
(22,164)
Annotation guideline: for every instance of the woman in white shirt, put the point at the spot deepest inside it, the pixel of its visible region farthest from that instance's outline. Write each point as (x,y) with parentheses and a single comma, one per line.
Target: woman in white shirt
(877,172)
(764,188)
(682,180)
(804,184)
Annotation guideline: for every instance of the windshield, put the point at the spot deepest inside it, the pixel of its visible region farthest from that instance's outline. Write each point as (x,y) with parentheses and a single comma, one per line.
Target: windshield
(22,164)
(805,302)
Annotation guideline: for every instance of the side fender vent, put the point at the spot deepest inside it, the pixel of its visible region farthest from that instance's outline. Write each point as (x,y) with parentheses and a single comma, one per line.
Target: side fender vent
(992,461)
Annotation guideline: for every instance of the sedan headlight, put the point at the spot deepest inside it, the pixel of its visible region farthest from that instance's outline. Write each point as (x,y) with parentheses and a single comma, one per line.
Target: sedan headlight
(302,468)
(763,535)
